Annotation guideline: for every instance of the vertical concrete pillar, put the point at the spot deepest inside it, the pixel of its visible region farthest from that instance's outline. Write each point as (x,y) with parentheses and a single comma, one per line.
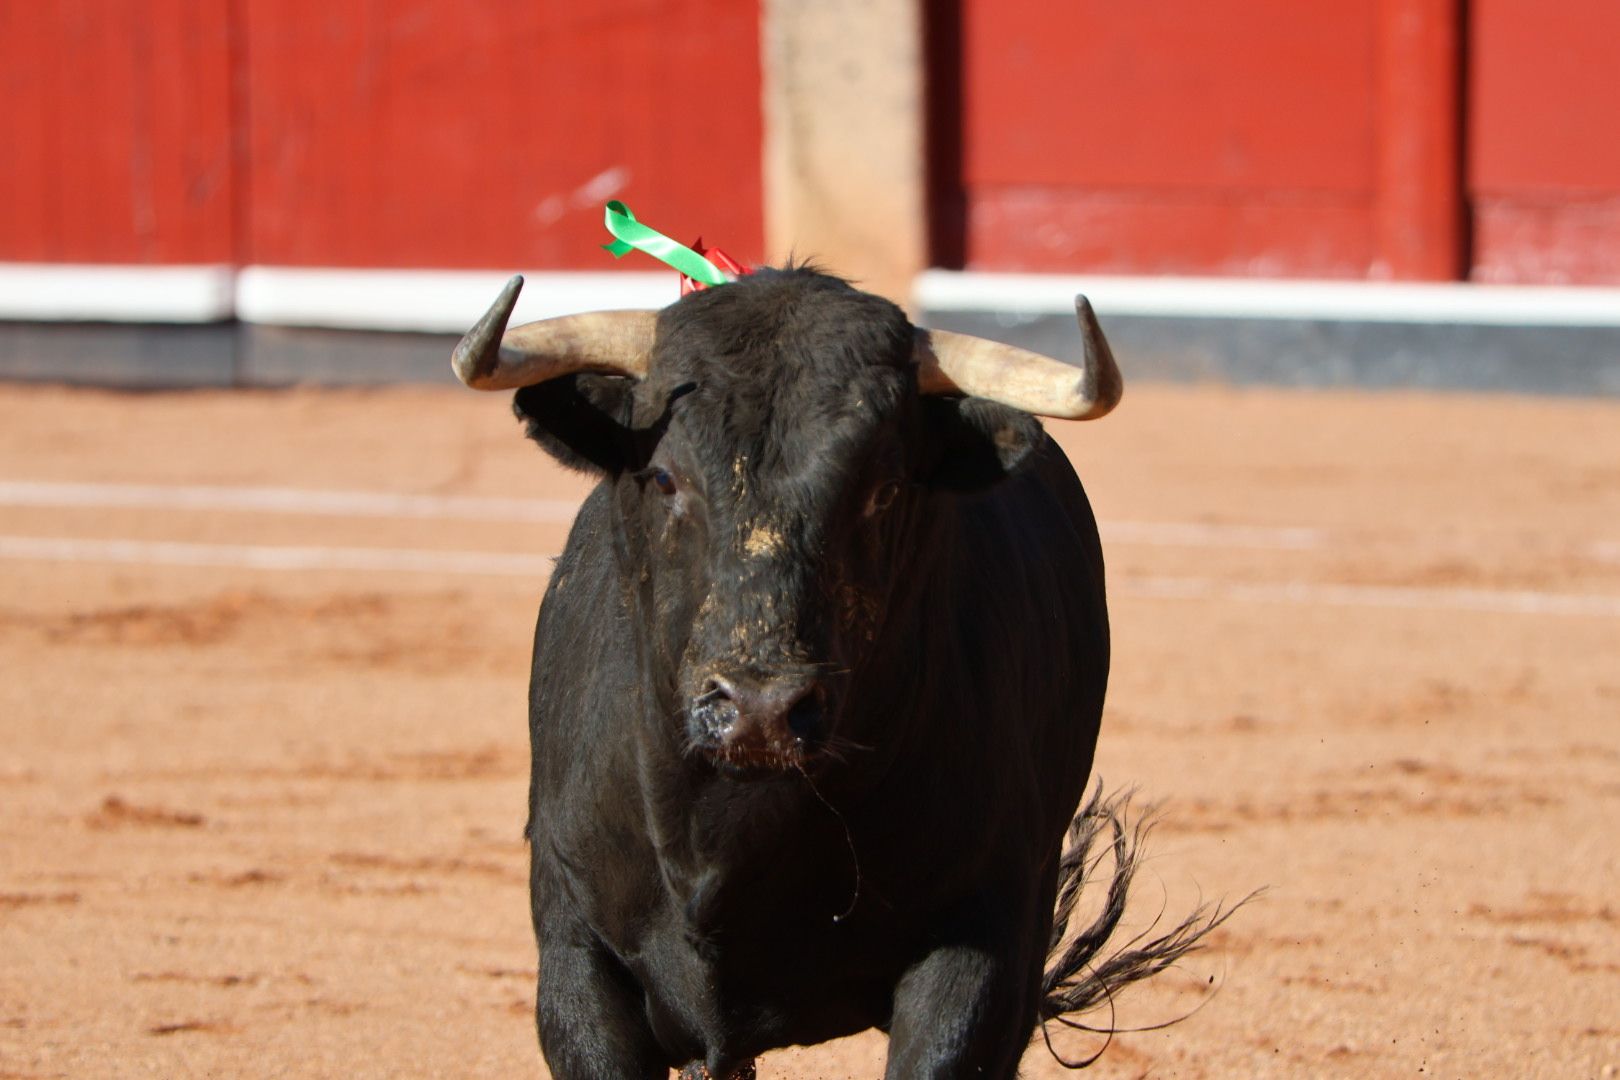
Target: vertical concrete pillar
(844,169)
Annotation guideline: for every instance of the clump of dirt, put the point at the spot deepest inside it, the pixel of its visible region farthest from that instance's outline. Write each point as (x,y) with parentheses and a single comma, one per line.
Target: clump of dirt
(114,812)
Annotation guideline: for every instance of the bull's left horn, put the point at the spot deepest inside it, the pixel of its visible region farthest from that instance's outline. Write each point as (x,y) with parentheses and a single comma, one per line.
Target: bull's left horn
(950,363)
(612,342)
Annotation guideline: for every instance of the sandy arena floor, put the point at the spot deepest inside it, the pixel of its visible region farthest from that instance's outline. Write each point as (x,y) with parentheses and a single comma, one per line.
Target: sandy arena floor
(263,753)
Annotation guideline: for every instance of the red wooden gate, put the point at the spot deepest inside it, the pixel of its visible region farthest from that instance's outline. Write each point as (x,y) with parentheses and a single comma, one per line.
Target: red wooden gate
(1270,137)
(1347,138)
(116,132)
(1544,140)
(443,133)
(392,133)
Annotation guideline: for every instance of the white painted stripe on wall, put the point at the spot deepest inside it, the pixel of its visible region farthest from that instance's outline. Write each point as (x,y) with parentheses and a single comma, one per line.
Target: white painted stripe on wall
(273,500)
(59,292)
(423,301)
(1404,302)
(448,301)
(264,557)
(395,560)
(437,301)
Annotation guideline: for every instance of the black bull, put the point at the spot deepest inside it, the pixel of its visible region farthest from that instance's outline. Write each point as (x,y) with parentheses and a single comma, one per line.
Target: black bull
(816,687)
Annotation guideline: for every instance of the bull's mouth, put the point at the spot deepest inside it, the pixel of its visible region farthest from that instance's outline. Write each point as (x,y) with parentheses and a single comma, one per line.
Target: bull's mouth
(755,765)
(740,757)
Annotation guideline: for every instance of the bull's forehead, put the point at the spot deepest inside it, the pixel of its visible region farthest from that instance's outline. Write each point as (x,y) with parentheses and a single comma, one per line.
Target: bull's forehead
(793,371)
(774,325)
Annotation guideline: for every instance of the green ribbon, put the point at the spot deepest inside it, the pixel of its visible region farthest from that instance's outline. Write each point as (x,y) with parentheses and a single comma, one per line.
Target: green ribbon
(631,235)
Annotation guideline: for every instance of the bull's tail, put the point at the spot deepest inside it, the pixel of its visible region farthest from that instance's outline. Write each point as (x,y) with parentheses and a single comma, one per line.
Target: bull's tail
(1083,974)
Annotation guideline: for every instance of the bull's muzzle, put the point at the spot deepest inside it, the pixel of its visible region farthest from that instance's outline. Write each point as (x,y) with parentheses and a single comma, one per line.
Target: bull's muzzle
(772,722)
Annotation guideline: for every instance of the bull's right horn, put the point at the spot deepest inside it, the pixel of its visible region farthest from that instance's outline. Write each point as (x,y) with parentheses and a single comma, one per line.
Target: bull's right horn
(611,342)
(949,363)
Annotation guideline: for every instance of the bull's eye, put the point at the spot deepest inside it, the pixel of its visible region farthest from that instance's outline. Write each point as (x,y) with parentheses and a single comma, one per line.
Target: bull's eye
(660,478)
(883,497)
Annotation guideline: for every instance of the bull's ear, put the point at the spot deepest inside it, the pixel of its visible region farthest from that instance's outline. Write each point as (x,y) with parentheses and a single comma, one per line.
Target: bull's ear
(581,420)
(979,442)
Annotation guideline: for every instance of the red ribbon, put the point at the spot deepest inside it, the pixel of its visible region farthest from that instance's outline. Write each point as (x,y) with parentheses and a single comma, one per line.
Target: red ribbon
(720,259)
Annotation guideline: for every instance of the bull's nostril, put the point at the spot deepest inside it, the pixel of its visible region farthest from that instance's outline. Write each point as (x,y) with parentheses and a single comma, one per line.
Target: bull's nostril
(715,689)
(804,719)
(713,712)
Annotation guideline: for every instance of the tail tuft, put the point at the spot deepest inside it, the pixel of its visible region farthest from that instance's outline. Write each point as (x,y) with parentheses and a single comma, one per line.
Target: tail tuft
(1080,977)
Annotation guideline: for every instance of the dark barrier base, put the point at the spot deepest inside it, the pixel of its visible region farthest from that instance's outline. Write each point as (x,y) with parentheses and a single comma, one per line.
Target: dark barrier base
(225,354)
(279,356)
(1514,359)
(1279,352)
(119,354)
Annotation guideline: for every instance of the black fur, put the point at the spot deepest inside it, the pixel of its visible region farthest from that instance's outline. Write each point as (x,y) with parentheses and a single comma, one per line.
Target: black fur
(776,498)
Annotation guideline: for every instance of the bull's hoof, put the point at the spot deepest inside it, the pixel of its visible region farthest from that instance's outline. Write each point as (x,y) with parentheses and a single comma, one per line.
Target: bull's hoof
(698,1071)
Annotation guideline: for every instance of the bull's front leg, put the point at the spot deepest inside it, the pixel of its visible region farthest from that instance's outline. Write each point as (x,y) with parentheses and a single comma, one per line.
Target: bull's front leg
(590,1012)
(968,1007)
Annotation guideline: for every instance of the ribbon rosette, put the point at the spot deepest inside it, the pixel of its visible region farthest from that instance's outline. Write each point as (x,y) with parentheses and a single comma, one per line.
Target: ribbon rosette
(697,268)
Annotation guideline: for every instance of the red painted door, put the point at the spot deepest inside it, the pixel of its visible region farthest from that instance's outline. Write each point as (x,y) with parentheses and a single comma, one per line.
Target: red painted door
(1544,140)
(1182,136)
(396,133)
(1243,137)
(115,132)
(440,133)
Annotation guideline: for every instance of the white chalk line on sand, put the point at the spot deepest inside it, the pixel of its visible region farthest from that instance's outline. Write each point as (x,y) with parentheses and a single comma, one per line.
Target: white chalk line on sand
(392,560)
(1200,534)
(1413,597)
(266,557)
(276,500)
(385,504)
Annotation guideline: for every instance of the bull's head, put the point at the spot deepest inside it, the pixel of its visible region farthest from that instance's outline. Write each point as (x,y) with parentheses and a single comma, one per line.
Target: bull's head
(779,449)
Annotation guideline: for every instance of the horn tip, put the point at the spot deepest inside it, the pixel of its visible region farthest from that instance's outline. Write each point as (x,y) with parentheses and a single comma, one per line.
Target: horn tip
(1102,372)
(475,356)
